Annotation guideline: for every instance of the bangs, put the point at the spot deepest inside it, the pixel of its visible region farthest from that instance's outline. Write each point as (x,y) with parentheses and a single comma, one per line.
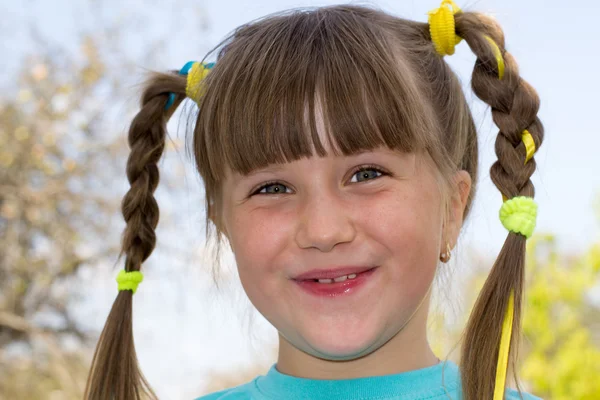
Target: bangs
(277,77)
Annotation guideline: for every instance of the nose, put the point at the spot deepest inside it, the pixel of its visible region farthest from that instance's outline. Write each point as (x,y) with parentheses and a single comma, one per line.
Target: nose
(325,220)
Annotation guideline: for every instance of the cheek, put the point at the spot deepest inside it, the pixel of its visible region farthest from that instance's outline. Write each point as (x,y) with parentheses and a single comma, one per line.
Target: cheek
(409,226)
(257,240)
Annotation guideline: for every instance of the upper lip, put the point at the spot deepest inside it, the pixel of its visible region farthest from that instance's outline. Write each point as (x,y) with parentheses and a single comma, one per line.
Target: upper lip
(331,273)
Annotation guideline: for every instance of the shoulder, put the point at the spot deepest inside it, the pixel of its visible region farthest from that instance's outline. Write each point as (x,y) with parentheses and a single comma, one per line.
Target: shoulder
(513,394)
(241,392)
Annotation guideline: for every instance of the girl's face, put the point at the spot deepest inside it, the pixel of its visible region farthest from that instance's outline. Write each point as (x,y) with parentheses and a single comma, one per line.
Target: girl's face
(321,213)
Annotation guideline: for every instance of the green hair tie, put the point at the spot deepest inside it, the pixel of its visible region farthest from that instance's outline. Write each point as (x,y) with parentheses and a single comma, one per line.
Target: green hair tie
(129,280)
(518,215)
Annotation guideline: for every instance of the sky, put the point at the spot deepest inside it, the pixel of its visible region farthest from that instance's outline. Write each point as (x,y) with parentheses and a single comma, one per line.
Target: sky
(555,45)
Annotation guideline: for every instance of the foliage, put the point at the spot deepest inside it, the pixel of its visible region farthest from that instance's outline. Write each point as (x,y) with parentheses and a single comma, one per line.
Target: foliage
(561,323)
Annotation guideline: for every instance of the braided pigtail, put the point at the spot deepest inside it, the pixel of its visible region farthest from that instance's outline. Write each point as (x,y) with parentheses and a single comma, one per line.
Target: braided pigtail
(493,331)
(114,372)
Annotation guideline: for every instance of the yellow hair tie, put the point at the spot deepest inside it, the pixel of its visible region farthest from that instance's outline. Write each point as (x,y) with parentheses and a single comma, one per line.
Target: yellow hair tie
(442,28)
(195,72)
(129,280)
(518,215)
(195,76)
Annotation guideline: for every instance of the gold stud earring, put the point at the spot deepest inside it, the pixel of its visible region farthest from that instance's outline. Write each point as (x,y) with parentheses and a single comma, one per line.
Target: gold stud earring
(445,256)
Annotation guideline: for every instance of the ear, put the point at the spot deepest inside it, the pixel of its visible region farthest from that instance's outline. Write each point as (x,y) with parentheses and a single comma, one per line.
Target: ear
(457,202)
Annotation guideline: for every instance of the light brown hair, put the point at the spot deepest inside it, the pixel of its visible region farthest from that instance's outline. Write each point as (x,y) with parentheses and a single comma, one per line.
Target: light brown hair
(380,82)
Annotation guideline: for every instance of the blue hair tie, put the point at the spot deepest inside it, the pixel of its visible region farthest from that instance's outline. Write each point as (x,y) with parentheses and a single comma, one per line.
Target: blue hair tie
(184,71)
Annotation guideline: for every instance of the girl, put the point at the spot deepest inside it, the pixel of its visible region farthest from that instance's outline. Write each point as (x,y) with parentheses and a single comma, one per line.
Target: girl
(339,159)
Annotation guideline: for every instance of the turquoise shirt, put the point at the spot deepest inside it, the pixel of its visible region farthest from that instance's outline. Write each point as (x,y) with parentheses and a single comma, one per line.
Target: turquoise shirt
(441,381)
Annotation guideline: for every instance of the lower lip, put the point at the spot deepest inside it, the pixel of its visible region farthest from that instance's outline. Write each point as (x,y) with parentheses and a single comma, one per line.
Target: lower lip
(335,289)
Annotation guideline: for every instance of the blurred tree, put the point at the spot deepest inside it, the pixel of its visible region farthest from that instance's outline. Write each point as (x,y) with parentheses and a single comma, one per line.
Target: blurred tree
(561,322)
(54,158)
(62,176)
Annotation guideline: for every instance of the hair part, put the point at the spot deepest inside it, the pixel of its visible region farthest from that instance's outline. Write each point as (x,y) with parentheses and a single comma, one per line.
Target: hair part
(377,81)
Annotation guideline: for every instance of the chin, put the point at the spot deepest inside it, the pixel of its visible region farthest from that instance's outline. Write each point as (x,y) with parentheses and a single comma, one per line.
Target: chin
(336,345)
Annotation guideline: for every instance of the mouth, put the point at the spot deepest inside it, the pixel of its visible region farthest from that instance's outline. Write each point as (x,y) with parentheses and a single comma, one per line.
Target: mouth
(339,278)
(340,286)
(333,275)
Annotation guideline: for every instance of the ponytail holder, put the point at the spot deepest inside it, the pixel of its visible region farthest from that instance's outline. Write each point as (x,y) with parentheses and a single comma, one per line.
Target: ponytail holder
(196,72)
(129,280)
(519,214)
(442,28)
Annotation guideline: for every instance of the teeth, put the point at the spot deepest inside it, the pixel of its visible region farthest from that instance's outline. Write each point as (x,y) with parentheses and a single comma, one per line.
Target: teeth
(325,280)
(339,279)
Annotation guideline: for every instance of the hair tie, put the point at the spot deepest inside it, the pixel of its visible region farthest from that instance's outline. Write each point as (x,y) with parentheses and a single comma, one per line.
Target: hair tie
(518,215)
(196,72)
(129,280)
(442,27)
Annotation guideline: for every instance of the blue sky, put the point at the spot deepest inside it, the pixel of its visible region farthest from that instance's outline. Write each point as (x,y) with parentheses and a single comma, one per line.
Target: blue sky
(555,44)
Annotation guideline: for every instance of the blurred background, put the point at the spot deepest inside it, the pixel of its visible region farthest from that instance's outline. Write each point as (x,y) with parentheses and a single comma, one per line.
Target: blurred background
(70,79)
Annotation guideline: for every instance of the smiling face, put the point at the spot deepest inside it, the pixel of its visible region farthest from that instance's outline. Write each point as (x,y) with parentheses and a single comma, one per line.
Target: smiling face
(282,96)
(322,212)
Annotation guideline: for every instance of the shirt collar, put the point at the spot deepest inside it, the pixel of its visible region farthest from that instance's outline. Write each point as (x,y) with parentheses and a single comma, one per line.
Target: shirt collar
(417,384)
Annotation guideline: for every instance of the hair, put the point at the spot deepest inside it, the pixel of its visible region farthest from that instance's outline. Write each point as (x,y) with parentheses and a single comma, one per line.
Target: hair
(380,82)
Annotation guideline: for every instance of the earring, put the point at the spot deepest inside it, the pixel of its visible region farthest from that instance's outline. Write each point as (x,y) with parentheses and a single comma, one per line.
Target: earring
(445,256)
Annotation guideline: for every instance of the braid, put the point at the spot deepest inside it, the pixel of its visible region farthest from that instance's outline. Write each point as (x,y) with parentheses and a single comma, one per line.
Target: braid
(514,105)
(139,207)
(115,373)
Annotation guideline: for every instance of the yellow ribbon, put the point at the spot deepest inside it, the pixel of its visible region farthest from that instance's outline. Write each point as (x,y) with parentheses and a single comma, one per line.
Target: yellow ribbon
(498,55)
(129,280)
(504,349)
(442,27)
(529,148)
(529,145)
(194,78)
